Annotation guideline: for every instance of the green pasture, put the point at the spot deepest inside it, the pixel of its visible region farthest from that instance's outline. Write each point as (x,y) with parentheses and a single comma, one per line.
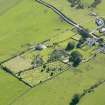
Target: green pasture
(80,16)
(95,98)
(27,22)
(22,23)
(36,76)
(10,88)
(6,5)
(60,90)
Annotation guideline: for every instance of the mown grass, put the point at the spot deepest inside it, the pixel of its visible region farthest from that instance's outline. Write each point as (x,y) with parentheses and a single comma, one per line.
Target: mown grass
(6,5)
(60,90)
(80,16)
(27,22)
(10,88)
(95,98)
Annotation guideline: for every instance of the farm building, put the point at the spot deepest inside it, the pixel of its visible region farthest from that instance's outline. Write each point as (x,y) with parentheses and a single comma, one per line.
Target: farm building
(99,21)
(101,49)
(102,30)
(40,47)
(91,41)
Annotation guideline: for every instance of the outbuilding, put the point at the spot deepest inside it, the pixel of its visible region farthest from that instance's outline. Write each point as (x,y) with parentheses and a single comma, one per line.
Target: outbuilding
(91,41)
(99,21)
(102,30)
(40,47)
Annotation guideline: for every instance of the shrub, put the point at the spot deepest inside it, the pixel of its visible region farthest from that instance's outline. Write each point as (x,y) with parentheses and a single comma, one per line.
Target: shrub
(75,100)
(95,3)
(69,46)
(76,58)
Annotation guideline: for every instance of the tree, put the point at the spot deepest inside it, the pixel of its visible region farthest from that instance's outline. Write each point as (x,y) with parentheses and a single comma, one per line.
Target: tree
(57,54)
(69,46)
(95,3)
(38,60)
(44,66)
(81,42)
(84,33)
(101,41)
(76,3)
(51,74)
(76,58)
(75,99)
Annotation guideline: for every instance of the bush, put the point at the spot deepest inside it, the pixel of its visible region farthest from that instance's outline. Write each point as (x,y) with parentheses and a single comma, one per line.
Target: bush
(51,74)
(81,42)
(76,58)
(69,46)
(95,3)
(75,100)
(76,3)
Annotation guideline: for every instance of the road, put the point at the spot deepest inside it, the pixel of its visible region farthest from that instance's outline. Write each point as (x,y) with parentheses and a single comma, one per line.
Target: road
(66,19)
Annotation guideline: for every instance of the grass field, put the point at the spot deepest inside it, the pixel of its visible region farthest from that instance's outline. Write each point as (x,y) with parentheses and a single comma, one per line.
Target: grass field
(23,23)
(80,16)
(29,20)
(60,90)
(95,98)
(26,21)
(10,88)
(5,5)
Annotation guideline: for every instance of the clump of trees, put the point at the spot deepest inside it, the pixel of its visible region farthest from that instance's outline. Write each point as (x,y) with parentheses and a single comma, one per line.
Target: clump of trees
(77,4)
(75,99)
(75,58)
(81,42)
(56,55)
(95,3)
(37,61)
(70,46)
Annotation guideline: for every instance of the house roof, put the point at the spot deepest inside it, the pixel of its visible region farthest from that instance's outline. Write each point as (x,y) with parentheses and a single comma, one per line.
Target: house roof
(99,21)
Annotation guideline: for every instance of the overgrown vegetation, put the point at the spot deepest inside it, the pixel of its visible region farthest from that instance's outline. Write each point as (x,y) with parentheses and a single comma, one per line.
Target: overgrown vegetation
(77,4)
(95,3)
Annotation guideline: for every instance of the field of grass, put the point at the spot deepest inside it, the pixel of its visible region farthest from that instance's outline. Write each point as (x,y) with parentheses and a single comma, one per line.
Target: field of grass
(60,90)
(5,5)
(27,21)
(10,88)
(80,16)
(95,98)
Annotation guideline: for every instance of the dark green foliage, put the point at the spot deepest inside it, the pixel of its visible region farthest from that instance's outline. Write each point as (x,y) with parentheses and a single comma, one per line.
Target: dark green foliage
(95,3)
(84,33)
(75,100)
(76,3)
(38,60)
(42,70)
(76,58)
(57,54)
(69,46)
(81,42)
(101,41)
(47,70)
(80,6)
(44,66)
(51,74)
